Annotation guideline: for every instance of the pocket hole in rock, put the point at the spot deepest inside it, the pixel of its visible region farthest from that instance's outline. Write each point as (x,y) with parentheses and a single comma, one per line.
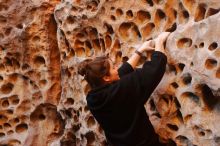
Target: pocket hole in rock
(172,127)
(7,88)
(175,85)
(91,122)
(147,29)
(193,97)
(200,12)
(21,128)
(184,43)
(129,14)
(143,16)
(212,11)
(186,78)
(213,46)
(210,63)
(119,12)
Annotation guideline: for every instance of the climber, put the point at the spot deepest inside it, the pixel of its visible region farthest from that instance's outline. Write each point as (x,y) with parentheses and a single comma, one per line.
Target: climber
(118,95)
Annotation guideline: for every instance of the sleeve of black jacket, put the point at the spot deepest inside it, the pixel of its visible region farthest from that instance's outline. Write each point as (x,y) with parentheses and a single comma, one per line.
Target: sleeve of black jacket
(125,69)
(151,73)
(138,85)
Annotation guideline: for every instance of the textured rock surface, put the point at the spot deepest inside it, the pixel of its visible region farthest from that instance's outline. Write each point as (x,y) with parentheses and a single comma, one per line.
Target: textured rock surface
(42,99)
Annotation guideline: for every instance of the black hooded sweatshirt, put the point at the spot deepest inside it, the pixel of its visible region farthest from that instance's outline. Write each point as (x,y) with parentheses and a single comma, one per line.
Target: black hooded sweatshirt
(119,106)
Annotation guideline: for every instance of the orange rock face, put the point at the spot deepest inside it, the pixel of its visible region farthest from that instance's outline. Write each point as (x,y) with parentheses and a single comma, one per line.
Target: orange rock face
(42,98)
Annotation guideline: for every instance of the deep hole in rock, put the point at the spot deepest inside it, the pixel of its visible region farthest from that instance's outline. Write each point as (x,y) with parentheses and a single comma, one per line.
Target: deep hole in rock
(181,66)
(7,125)
(113,18)
(92,32)
(109,29)
(177,102)
(212,11)
(186,78)
(129,28)
(143,16)
(42,117)
(200,12)
(119,12)
(108,41)
(172,28)
(184,43)
(152,105)
(90,136)
(217,139)
(7,88)
(39,60)
(2,134)
(8,31)
(213,46)
(21,127)
(69,101)
(185,14)
(160,14)
(14,99)
(182,139)
(187,118)
(19,26)
(129,14)
(201,45)
(210,63)
(208,98)
(147,29)
(71,19)
(149,2)
(175,85)
(172,127)
(91,122)
(172,68)
(193,97)
(5,103)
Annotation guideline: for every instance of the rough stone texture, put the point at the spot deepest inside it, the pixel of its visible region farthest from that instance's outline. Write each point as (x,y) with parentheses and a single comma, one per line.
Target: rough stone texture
(42,98)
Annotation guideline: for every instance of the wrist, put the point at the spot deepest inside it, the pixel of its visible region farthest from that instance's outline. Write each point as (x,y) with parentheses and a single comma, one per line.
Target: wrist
(139,53)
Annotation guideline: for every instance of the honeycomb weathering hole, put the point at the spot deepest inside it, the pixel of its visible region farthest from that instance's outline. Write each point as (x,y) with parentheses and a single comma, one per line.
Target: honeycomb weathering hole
(5,103)
(186,79)
(212,11)
(210,63)
(91,121)
(193,97)
(129,28)
(184,43)
(172,127)
(90,136)
(147,30)
(149,2)
(119,12)
(159,16)
(7,88)
(129,14)
(21,127)
(143,16)
(213,46)
(200,12)
(182,139)
(39,60)
(108,41)
(2,134)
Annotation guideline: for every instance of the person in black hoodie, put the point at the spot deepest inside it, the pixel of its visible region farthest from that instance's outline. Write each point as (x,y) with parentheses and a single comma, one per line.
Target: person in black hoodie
(118,95)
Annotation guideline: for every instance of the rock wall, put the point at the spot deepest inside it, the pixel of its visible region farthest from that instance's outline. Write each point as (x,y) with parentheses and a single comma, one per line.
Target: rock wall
(42,98)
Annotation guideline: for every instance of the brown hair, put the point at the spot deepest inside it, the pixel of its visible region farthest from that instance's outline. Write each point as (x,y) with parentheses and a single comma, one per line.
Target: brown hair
(94,70)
